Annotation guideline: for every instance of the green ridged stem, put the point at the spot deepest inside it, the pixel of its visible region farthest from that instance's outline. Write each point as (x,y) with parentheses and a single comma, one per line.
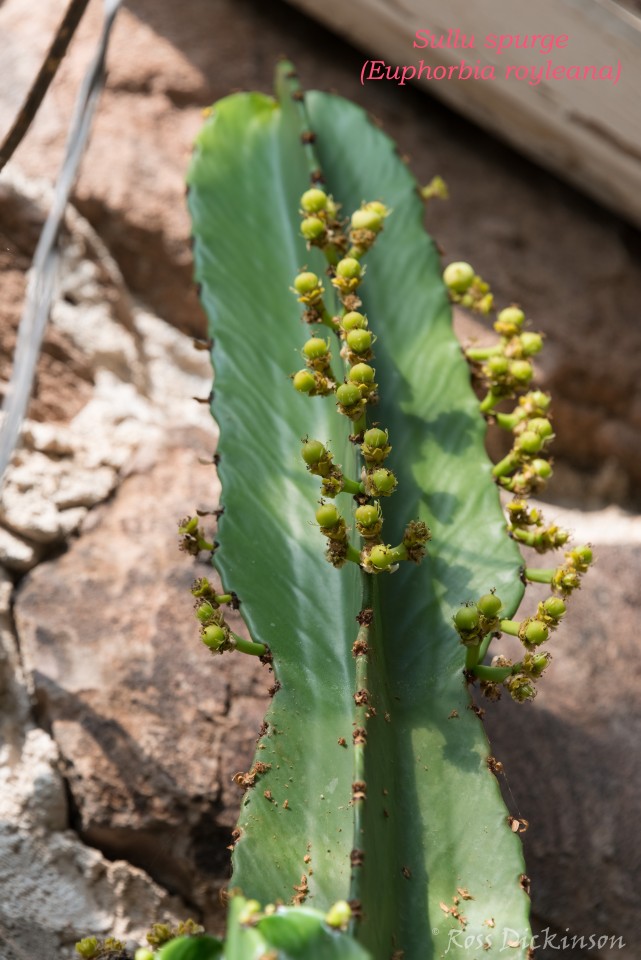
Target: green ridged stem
(506,466)
(508,421)
(434,818)
(490,401)
(247,646)
(478,354)
(539,576)
(352,486)
(472,657)
(493,674)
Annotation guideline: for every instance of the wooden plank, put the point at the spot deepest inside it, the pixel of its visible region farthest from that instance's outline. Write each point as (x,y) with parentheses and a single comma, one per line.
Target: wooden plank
(587,131)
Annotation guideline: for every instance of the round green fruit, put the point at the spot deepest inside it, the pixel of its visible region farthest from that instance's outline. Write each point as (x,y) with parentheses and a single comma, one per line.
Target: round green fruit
(313,451)
(489,605)
(304,381)
(362,373)
(348,394)
(367,515)
(375,437)
(327,515)
(353,321)
(466,619)
(536,632)
(314,200)
(312,228)
(367,220)
(306,282)
(359,341)
(348,269)
(315,348)
(458,276)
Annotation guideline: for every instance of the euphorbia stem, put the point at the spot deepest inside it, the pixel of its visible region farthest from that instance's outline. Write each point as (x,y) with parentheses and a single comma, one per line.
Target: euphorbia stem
(539,576)
(472,657)
(351,486)
(248,646)
(494,674)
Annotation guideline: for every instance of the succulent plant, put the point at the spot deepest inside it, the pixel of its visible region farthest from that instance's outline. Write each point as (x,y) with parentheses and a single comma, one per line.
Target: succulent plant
(373,784)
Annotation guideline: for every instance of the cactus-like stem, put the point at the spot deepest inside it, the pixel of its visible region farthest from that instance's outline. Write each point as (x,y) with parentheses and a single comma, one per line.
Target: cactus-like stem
(493,674)
(506,466)
(478,354)
(536,575)
(472,656)
(352,486)
(247,646)
(510,626)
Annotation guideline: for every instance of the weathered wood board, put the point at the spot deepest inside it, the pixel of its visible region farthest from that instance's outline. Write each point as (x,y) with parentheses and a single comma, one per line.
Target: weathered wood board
(586,130)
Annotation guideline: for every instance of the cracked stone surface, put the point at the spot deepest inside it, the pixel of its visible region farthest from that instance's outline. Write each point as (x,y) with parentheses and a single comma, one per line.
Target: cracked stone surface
(55,889)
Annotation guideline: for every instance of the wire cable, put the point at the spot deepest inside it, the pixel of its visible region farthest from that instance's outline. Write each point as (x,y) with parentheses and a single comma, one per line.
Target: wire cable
(44,269)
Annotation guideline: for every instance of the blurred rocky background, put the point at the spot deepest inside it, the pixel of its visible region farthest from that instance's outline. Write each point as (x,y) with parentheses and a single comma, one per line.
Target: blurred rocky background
(118,736)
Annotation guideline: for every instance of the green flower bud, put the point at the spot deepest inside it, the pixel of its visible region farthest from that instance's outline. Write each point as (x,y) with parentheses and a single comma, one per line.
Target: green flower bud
(489,605)
(88,947)
(353,321)
(521,687)
(213,636)
(497,367)
(348,394)
(327,516)
(306,282)
(535,632)
(349,268)
(367,515)
(367,220)
(535,663)
(339,915)
(521,371)
(531,343)
(304,381)
(513,316)
(554,607)
(466,619)
(541,468)
(378,207)
(142,953)
(362,373)
(383,482)
(375,437)
(313,451)
(314,200)
(458,276)
(565,580)
(381,557)
(538,399)
(540,425)
(315,348)
(312,228)
(205,611)
(528,442)
(581,557)
(188,525)
(359,341)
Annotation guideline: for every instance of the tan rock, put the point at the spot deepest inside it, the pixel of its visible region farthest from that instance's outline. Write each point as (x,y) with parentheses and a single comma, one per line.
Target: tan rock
(146,720)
